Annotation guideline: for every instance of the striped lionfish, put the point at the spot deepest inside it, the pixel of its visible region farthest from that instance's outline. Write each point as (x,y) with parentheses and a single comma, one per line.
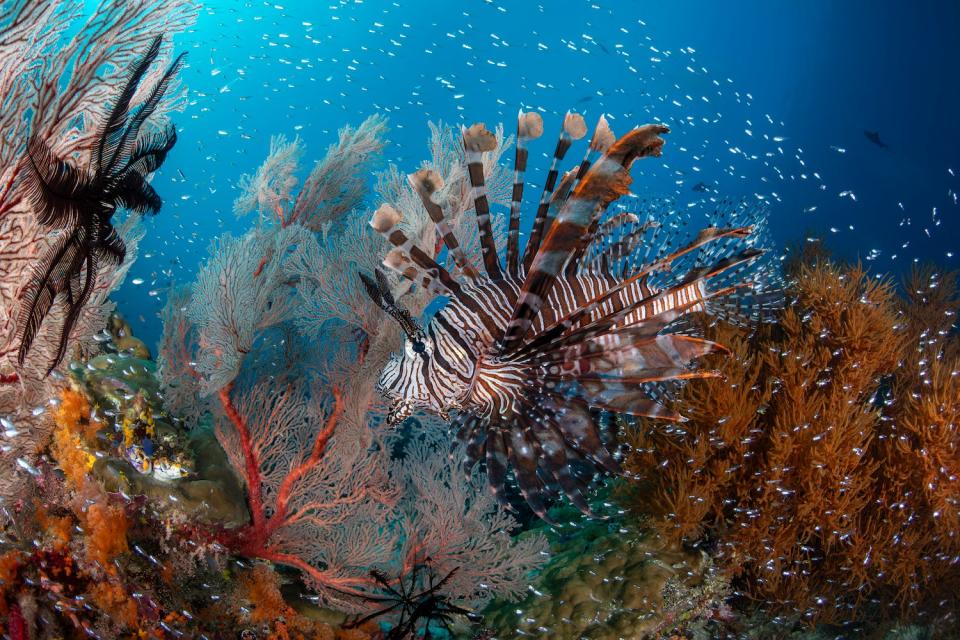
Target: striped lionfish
(528,353)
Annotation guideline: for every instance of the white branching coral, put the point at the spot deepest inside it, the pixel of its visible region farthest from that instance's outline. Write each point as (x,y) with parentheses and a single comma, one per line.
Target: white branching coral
(327,268)
(338,183)
(270,189)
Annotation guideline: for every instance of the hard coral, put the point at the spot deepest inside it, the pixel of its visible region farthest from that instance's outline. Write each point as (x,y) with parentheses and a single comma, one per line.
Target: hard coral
(824,467)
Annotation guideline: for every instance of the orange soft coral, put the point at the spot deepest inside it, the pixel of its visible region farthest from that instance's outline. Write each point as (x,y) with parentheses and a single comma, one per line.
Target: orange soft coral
(826,464)
(74,429)
(259,592)
(106,534)
(10,563)
(114,600)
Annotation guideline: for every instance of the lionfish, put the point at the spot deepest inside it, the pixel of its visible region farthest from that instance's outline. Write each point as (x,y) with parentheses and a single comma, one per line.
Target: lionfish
(80,201)
(531,352)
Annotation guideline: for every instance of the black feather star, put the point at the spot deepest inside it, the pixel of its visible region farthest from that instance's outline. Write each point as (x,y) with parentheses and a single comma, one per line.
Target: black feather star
(418,601)
(82,201)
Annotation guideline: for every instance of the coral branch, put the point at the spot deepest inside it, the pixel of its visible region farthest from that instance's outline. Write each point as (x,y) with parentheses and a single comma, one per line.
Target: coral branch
(251,467)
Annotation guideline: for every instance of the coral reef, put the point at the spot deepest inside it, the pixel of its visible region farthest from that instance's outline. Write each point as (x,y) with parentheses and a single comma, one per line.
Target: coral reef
(613,579)
(61,63)
(822,470)
(329,494)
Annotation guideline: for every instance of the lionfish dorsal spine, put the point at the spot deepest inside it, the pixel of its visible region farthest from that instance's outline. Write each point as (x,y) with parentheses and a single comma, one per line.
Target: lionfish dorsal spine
(401,264)
(529,127)
(385,221)
(426,182)
(477,140)
(574,128)
(608,179)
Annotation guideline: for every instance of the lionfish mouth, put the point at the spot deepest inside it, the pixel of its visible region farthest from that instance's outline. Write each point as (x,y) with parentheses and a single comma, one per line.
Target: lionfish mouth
(400,411)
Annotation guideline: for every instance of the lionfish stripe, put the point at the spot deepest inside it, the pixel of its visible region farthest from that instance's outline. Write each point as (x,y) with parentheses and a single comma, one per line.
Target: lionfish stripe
(573,129)
(622,355)
(426,182)
(529,127)
(636,284)
(606,181)
(477,140)
(650,326)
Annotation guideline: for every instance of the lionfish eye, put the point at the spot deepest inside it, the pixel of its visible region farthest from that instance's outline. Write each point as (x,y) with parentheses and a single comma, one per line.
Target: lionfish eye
(419,347)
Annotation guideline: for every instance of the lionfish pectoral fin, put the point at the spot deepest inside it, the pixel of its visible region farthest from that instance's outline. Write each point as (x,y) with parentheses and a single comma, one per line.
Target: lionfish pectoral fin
(524,452)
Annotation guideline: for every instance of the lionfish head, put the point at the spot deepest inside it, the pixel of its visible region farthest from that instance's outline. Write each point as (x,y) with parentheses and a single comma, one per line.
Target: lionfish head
(404,379)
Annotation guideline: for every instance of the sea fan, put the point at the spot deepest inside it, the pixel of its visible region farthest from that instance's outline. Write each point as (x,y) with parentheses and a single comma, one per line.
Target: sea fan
(80,201)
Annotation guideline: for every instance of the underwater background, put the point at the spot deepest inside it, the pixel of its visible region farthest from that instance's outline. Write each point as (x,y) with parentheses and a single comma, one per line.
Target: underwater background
(798,81)
(252,387)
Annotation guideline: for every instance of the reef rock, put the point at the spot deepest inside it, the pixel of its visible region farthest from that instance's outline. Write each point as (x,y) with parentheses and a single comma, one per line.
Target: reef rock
(611,580)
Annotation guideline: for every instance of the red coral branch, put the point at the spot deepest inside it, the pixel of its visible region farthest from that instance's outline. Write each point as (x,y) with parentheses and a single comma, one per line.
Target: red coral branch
(253,540)
(251,469)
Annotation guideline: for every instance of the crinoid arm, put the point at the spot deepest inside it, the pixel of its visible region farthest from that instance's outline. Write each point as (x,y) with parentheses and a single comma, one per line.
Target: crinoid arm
(54,188)
(136,194)
(118,137)
(52,275)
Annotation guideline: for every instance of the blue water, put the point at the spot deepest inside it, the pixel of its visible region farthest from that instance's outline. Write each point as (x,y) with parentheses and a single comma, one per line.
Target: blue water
(762,97)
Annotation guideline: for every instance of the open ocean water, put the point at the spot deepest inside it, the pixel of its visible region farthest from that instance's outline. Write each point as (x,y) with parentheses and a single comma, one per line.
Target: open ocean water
(767,100)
